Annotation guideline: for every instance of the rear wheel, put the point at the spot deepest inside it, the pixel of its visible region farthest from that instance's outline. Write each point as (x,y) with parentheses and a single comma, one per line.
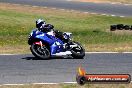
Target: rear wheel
(40,52)
(77,52)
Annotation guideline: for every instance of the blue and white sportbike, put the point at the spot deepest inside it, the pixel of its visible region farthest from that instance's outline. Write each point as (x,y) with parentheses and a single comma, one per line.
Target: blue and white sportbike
(46,45)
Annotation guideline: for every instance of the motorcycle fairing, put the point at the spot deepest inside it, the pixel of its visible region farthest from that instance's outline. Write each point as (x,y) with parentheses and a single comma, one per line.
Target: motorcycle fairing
(56,45)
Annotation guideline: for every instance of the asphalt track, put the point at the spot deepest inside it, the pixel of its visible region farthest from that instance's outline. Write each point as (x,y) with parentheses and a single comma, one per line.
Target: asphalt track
(101,8)
(27,69)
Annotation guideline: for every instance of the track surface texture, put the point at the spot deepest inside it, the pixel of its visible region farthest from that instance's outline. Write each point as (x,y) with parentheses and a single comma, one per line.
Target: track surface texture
(100,8)
(27,69)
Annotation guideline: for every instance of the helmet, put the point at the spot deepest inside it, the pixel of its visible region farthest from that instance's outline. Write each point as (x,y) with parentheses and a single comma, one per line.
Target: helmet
(40,23)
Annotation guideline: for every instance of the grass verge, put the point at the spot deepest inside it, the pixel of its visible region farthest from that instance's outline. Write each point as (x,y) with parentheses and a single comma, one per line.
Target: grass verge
(17,21)
(72,86)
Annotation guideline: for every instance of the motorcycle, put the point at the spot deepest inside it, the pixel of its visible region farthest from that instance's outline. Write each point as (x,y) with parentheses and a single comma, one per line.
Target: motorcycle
(46,45)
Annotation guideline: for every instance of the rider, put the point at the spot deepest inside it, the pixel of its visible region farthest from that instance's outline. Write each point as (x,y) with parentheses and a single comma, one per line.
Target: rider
(42,26)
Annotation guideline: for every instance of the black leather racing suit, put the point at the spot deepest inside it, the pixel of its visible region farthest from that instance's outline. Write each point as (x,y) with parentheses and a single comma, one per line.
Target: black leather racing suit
(49,27)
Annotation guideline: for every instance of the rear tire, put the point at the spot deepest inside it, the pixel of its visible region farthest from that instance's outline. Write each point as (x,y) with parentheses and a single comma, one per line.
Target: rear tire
(76,53)
(38,52)
(113,27)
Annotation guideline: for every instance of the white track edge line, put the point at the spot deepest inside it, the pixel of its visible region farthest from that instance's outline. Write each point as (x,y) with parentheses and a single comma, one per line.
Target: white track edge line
(9,54)
(101,52)
(85,52)
(35,6)
(40,84)
(106,52)
(108,2)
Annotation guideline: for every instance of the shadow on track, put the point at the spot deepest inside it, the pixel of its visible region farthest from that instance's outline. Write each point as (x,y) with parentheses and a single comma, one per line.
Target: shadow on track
(52,58)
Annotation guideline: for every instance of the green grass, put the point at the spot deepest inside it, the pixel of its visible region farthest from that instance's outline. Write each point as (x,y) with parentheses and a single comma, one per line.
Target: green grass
(90,30)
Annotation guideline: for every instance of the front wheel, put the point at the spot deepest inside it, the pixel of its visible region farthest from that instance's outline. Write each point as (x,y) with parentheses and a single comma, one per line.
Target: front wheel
(78,52)
(41,52)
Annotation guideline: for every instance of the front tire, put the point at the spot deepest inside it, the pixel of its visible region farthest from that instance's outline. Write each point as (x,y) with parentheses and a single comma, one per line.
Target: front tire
(40,52)
(78,52)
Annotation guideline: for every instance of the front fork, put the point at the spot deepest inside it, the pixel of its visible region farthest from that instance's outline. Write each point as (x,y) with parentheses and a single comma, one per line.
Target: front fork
(75,45)
(72,46)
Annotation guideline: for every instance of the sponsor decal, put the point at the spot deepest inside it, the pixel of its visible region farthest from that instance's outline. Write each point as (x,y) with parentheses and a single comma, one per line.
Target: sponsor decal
(82,78)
